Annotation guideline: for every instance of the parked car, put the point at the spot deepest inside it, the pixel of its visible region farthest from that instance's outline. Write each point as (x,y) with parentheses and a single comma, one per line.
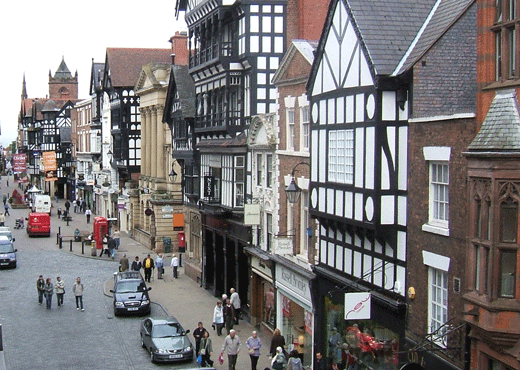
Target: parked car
(7,253)
(130,293)
(39,224)
(6,231)
(166,340)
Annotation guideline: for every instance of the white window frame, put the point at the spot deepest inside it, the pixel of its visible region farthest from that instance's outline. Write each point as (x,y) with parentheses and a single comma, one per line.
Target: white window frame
(290,116)
(304,222)
(341,156)
(259,161)
(269,239)
(240,165)
(437,303)
(269,171)
(439,199)
(305,128)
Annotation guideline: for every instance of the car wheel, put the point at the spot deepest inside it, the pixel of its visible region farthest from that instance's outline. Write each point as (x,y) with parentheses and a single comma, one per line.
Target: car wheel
(151,356)
(142,342)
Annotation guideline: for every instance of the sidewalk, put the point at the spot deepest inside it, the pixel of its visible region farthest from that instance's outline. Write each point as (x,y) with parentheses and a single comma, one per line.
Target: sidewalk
(182,298)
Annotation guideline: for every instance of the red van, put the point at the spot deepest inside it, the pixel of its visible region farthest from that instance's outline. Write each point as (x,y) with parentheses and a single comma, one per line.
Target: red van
(39,224)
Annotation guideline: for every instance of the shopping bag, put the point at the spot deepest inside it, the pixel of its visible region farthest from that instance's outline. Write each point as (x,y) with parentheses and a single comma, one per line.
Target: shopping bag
(221,358)
(199,359)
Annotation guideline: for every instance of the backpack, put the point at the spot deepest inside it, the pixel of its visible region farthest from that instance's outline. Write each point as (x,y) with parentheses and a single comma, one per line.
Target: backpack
(147,263)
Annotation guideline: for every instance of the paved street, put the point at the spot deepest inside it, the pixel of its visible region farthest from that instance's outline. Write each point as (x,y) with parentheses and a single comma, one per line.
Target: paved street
(37,338)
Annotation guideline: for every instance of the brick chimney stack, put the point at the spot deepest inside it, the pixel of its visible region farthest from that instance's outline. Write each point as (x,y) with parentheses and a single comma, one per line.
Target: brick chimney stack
(180,47)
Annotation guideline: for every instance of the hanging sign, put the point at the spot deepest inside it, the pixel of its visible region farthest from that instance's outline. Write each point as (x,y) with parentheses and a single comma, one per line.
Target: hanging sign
(357,306)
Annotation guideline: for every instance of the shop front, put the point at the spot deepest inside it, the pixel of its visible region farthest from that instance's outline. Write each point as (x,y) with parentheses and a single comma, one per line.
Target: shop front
(355,328)
(294,307)
(261,294)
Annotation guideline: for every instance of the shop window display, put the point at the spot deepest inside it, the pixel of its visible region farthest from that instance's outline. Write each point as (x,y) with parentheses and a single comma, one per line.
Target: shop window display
(297,328)
(358,344)
(269,311)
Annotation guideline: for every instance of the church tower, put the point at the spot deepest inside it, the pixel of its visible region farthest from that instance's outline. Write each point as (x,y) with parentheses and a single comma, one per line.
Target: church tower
(63,86)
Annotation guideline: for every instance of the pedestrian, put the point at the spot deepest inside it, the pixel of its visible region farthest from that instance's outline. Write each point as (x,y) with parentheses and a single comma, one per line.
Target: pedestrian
(67,205)
(136,265)
(75,205)
(218,317)
(232,344)
(123,263)
(49,291)
(148,267)
(88,213)
(276,341)
(7,208)
(198,334)
(206,350)
(2,219)
(294,363)
(111,246)
(235,301)
(77,289)
(84,206)
(40,286)
(159,263)
(224,299)
(253,344)
(319,364)
(175,265)
(104,247)
(229,315)
(60,290)
(117,238)
(278,362)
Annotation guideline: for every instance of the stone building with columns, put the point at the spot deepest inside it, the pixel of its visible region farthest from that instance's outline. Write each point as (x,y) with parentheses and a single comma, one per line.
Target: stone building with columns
(157,198)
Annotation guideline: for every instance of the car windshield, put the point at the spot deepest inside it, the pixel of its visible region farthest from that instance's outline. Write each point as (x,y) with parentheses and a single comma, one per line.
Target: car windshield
(6,248)
(6,233)
(166,330)
(130,286)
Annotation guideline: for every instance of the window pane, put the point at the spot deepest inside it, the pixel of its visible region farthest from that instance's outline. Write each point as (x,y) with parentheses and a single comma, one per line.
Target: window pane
(508,273)
(498,56)
(508,221)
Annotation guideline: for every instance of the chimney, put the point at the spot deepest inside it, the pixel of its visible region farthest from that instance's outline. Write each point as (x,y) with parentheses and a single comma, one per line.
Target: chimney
(180,48)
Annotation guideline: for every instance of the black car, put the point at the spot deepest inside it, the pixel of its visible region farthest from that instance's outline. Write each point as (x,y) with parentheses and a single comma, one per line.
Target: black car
(130,294)
(166,340)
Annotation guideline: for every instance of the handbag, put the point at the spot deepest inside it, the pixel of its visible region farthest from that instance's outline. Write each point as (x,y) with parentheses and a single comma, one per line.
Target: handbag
(251,351)
(199,359)
(203,351)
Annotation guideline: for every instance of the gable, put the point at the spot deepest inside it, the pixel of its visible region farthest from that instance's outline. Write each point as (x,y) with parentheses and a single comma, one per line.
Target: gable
(341,62)
(299,67)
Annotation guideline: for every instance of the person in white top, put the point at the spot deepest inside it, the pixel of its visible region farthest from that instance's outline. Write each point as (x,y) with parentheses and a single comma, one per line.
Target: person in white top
(235,302)
(175,265)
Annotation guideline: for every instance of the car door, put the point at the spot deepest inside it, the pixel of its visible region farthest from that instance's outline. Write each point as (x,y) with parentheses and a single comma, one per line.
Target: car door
(147,335)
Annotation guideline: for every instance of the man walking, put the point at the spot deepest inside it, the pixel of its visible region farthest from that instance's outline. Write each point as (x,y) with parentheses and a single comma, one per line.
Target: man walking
(60,290)
(159,263)
(175,265)
(40,286)
(232,344)
(88,213)
(67,206)
(77,289)
(7,207)
(148,267)
(111,246)
(235,302)
(123,262)
(198,334)
(136,265)
(229,315)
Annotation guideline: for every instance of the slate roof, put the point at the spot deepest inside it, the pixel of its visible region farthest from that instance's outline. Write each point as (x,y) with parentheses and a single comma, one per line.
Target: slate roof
(185,89)
(446,13)
(306,48)
(63,71)
(96,76)
(125,63)
(500,130)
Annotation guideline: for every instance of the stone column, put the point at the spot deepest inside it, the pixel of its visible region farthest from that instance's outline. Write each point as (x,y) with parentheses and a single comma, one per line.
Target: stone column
(148,143)
(143,140)
(161,162)
(153,142)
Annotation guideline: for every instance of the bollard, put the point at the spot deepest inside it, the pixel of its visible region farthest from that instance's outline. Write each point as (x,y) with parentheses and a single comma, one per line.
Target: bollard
(82,247)
(61,242)
(1,343)
(71,245)
(68,219)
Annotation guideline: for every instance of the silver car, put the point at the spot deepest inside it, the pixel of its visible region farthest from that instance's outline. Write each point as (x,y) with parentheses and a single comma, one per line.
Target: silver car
(166,340)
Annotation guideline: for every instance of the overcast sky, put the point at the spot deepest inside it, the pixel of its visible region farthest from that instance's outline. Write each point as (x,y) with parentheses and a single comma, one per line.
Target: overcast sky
(36,34)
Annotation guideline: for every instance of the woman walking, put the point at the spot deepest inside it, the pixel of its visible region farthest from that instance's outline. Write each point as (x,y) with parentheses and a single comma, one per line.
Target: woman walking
(218,317)
(49,291)
(206,349)
(277,341)
(60,291)
(294,363)
(253,344)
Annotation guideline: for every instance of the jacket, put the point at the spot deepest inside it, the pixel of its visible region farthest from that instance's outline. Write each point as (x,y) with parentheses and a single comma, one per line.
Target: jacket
(136,266)
(254,343)
(40,284)
(232,345)
(49,289)
(207,345)
(77,289)
(218,315)
(294,363)
(235,300)
(60,287)
(124,263)
(151,262)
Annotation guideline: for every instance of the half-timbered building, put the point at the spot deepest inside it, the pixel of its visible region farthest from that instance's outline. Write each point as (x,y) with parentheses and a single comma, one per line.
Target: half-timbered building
(361,91)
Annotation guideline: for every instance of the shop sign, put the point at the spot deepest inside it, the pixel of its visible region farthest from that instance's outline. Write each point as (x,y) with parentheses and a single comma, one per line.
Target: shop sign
(167,209)
(167,215)
(295,282)
(252,214)
(357,306)
(308,322)
(286,306)
(284,246)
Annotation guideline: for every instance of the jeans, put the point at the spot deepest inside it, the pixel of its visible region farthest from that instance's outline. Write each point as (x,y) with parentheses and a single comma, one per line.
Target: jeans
(48,299)
(79,301)
(159,272)
(175,272)
(232,359)
(60,298)
(40,296)
(147,274)
(219,328)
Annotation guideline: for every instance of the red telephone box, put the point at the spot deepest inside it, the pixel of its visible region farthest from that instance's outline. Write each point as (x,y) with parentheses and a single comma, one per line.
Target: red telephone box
(100,231)
(182,242)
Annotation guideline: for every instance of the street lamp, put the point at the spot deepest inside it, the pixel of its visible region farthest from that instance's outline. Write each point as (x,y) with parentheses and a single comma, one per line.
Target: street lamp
(293,191)
(173,174)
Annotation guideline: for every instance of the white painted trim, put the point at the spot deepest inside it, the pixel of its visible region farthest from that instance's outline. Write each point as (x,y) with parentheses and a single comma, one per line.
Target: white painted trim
(436,230)
(437,153)
(442,118)
(436,261)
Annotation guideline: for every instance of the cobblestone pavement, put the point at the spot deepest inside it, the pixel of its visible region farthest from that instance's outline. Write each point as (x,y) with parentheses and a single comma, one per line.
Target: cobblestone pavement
(36,338)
